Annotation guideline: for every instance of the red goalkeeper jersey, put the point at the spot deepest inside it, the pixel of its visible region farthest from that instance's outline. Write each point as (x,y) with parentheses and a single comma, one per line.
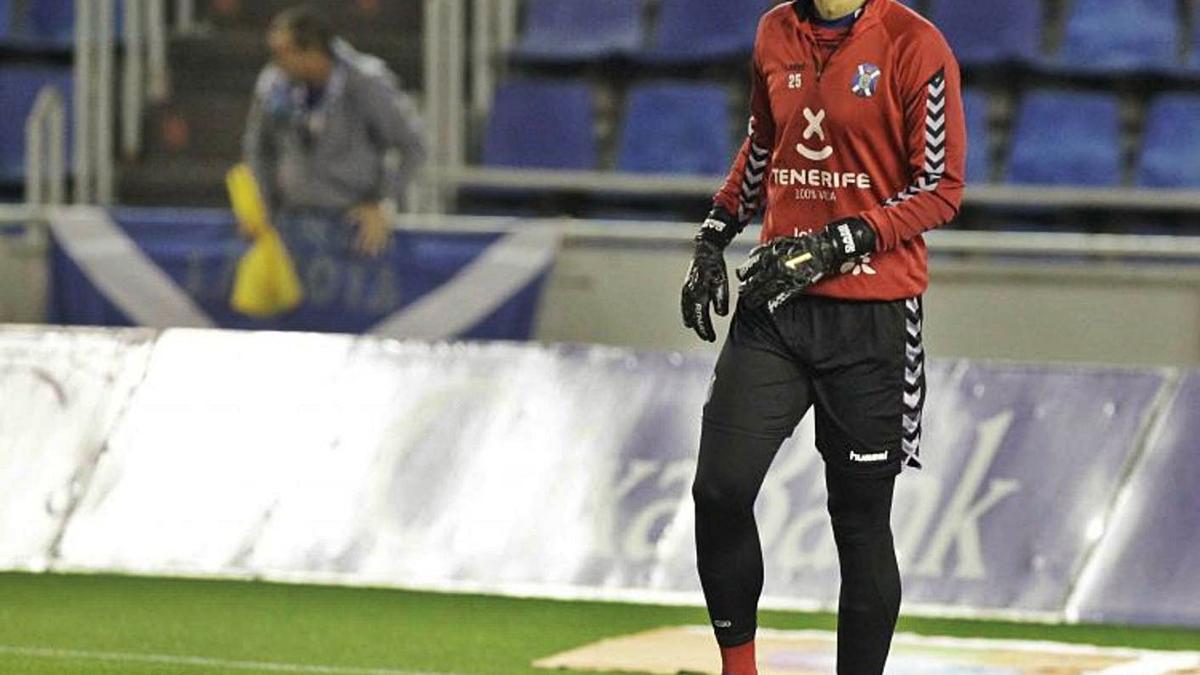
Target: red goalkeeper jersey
(874,130)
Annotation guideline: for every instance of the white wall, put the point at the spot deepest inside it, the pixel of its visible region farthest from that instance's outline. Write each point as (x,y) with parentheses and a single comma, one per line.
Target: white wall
(627,293)
(23,279)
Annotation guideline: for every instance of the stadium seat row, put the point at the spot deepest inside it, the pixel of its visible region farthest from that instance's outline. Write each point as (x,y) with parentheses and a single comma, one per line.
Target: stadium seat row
(1059,137)
(38,23)
(686,30)
(1074,138)
(1101,36)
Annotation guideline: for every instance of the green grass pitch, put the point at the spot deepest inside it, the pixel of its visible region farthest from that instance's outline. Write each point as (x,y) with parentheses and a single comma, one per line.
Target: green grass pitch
(60,624)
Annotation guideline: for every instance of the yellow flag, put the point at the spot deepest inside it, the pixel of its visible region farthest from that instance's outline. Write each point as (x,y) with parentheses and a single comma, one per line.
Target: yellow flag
(266,283)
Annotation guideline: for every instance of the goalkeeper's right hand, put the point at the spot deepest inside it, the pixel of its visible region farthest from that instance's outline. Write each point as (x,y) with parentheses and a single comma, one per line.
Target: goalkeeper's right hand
(707,281)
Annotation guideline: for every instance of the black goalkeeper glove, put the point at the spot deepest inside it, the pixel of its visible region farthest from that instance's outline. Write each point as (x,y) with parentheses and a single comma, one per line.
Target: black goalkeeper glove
(707,282)
(779,270)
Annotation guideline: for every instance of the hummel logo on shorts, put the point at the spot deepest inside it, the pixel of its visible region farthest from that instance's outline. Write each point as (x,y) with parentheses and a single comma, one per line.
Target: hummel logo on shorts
(873,457)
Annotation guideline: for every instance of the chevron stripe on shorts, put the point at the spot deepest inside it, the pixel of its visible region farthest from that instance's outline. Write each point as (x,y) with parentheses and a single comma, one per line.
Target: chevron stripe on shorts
(935,142)
(914,383)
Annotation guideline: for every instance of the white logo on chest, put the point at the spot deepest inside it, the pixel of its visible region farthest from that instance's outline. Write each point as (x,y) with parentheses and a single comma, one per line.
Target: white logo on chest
(814,128)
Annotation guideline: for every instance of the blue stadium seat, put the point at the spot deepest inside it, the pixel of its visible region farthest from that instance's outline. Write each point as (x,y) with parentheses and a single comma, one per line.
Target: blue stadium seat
(52,21)
(1171,145)
(704,31)
(541,124)
(580,30)
(676,128)
(979,163)
(1195,60)
(987,33)
(49,24)
(1121,35)
(19,87)
(1066,138)
(6,19)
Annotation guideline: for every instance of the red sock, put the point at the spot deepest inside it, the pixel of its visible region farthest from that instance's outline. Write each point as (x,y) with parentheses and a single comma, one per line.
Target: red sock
(738,660)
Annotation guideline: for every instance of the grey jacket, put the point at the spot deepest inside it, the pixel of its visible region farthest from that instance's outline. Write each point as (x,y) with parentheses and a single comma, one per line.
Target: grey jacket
(361,142)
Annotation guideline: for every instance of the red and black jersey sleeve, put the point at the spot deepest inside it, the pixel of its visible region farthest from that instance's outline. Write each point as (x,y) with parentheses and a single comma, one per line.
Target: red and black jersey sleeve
(744,190)
(936,143)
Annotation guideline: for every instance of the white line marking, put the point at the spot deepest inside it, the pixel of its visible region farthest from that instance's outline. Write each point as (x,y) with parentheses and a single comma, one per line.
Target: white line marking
(201,661)
(1154,664)
(1149,661)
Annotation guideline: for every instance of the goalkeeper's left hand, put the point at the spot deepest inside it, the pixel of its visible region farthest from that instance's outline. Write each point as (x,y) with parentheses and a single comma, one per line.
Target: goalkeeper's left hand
(778,270)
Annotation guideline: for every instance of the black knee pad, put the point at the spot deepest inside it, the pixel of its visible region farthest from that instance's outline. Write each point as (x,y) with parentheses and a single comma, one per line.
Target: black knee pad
(859,506)
(730,470)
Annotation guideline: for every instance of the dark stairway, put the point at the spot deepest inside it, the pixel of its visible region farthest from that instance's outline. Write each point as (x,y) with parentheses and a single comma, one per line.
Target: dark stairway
(192,139)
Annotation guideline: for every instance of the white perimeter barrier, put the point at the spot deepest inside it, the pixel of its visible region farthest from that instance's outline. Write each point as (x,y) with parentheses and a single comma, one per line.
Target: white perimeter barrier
(559,471)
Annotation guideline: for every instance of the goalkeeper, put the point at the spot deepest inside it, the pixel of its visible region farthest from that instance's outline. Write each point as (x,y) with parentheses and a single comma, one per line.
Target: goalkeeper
(856,146)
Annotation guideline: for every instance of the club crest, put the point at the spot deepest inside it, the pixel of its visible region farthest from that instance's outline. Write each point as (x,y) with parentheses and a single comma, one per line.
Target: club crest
(866,80)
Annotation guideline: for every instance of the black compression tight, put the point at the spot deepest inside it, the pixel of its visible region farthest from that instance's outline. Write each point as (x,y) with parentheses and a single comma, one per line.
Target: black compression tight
(870,597)
(729,555)
(728,552)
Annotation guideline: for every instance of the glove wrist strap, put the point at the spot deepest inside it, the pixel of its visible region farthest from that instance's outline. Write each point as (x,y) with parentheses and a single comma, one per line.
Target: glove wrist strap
(851,238)
(718,229)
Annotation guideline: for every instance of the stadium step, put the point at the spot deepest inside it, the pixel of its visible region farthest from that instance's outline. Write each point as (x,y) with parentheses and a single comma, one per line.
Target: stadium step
(174,181)
(347,17)
(224,62)
(231,60)
(198,125)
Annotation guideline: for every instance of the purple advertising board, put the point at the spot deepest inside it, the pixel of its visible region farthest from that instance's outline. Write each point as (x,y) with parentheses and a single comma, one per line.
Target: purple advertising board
(1017,461)
(1148,568)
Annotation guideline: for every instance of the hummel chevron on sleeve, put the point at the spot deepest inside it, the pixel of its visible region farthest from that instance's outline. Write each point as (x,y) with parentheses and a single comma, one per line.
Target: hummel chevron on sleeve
(937,149)
(744,192)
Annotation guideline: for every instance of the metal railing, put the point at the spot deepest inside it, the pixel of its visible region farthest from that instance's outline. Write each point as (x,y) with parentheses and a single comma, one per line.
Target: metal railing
(45,149)
(145,68)
(94,46)
(669,185)
(144,78)
(493,31)
(445,93)
(133,79)
(1048,245)
(185,16)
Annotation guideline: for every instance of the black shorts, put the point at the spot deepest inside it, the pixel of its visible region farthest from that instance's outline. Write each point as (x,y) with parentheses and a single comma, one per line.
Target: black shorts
(860,363)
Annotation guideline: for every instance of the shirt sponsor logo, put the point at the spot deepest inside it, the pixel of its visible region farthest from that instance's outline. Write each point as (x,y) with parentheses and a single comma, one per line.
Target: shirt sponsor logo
(872,457)
(814,128)
(816,178)
(866,80)
(817,184)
